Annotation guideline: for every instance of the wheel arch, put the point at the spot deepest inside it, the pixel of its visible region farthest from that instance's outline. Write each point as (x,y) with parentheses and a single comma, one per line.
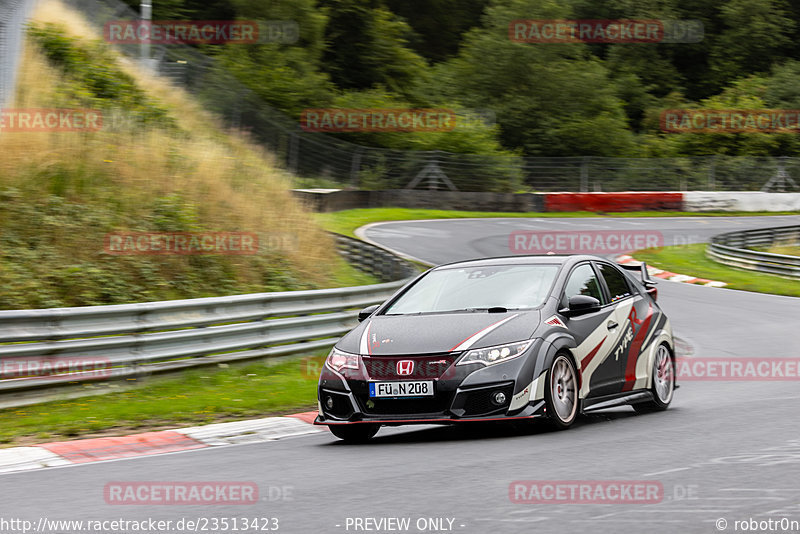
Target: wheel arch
(661,337)
(562,343)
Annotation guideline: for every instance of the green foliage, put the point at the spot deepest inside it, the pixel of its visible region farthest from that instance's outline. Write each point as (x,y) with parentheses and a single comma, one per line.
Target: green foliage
(756,34)
(282,77)
(756,92)
(285,76)
(367,46)
(438,24)
(548,99)
(554,100)
(51,254)
(94,78)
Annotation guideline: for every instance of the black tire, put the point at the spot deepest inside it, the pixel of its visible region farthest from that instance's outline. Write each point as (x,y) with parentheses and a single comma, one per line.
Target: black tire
(561,396)
(663,386)
(356,433)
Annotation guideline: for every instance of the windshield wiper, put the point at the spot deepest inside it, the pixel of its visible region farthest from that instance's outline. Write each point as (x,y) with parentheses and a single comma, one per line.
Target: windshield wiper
(493,309)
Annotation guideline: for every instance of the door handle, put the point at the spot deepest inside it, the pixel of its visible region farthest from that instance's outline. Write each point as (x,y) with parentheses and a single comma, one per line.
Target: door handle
(612,325)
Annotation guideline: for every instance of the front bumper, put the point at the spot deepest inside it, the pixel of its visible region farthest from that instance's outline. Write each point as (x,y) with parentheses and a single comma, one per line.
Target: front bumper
(462,394)
(529,412)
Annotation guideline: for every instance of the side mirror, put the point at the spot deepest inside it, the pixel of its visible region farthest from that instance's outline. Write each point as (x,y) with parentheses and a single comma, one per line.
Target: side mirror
(366,312)
(581,304)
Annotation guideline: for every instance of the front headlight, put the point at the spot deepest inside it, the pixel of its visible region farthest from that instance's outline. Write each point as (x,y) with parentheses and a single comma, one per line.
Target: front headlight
(338,360)
(496,354)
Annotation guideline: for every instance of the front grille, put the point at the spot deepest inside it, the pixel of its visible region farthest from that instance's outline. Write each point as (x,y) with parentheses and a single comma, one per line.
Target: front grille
(428,367)
(403,406)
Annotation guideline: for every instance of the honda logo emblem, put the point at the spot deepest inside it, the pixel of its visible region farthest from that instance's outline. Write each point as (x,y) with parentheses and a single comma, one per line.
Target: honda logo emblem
(405,367)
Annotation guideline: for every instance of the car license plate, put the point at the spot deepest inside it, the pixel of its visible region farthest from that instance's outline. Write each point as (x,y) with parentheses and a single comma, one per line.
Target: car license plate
(418,388)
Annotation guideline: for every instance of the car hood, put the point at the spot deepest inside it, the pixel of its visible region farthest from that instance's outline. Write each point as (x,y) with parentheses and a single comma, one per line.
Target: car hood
(424,334)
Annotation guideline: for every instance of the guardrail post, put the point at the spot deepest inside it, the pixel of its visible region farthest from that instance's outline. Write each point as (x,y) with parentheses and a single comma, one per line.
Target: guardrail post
(355,167)
(294,149)
(712,169)
(585,174)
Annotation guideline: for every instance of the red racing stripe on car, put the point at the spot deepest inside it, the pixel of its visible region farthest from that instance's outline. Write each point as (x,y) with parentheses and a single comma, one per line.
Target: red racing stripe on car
(636,345)
(588,358)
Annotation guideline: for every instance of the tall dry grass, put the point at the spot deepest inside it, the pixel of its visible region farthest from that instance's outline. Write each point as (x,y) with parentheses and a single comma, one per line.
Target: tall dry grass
(225,182)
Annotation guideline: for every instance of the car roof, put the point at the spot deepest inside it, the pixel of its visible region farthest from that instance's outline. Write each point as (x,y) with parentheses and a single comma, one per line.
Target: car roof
(540,259)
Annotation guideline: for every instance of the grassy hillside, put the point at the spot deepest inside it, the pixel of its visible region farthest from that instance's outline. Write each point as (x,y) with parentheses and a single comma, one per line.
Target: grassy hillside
(160,163)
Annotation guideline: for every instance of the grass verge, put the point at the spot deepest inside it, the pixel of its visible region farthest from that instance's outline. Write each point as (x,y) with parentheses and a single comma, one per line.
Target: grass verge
(197,397)
(786,250)
(347,221)
(691,260)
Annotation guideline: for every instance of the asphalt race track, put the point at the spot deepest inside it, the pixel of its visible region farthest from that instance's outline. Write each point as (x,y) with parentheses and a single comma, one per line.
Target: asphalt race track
(723,451)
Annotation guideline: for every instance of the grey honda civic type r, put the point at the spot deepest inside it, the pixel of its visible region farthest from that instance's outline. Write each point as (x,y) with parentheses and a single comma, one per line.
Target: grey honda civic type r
(510,338)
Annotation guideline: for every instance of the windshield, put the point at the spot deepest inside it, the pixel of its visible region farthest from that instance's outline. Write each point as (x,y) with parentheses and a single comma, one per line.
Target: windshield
(477,289)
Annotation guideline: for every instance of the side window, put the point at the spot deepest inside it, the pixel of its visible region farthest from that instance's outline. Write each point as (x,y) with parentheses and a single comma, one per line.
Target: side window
(582,281)
(617,285)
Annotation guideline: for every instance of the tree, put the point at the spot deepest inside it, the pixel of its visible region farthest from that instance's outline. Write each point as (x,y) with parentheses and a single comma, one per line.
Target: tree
(756,35)
(286,76)
(367,47)
(549,99)
(438,24)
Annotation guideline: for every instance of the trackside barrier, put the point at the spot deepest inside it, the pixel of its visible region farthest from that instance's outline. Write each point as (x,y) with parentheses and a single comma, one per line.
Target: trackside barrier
(735,249)
(326,200)
(99,343)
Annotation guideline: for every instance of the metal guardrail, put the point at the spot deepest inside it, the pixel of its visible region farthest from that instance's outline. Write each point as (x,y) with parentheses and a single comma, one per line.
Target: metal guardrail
(374,260)
(736,249)
(100,343)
